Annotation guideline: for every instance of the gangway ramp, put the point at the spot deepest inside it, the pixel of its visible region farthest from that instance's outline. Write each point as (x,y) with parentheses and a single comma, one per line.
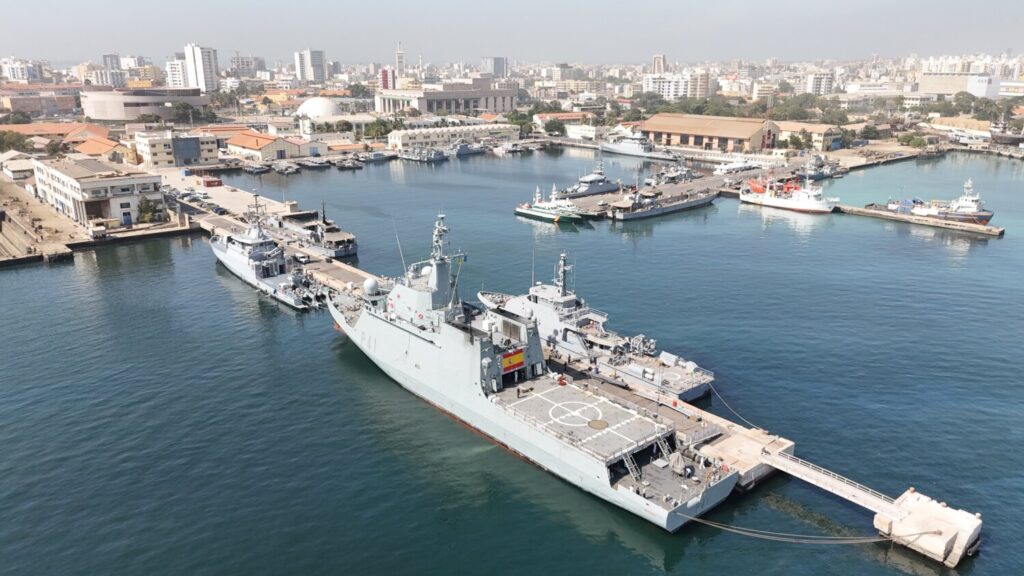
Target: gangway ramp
(913,520)
(831,482)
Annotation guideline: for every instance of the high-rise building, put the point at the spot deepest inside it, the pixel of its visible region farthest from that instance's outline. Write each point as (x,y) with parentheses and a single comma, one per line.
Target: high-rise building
(112,61)
(20,70)
(399,61)
(310,65)
(177,75)
(818,84)
(201,68)
(108,77)
(690,84)
(247,66)
(496,66)
(658,64)
(386,79)
(129,62)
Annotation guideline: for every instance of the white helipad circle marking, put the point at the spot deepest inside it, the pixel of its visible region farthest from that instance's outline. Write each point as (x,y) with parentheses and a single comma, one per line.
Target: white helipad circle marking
(671,376)
(574,413)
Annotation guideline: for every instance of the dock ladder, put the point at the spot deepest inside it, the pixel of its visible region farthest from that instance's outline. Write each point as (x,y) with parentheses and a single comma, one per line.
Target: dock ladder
(634,470)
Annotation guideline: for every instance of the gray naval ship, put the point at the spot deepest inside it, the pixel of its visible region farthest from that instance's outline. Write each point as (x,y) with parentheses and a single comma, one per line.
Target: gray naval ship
(576,333)
(486,367)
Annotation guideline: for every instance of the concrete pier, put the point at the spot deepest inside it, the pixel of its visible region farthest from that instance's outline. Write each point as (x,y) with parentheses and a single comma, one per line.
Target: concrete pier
(924,221)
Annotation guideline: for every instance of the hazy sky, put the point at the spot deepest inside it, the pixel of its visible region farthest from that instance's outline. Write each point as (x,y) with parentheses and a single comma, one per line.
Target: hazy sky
(531,30)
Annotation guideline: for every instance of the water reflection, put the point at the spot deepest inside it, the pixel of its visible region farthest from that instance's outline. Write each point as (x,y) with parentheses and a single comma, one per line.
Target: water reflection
(803,225)
(958,245)
(542,229)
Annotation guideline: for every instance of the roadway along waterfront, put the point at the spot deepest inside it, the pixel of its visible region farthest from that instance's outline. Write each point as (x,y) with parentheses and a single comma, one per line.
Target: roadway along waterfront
(162,417)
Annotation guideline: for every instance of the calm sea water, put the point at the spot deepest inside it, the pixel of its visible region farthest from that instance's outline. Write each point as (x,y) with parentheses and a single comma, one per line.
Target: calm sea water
(158,416)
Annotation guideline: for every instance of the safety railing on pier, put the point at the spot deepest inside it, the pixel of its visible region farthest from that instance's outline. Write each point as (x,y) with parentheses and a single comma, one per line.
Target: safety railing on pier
(839,485)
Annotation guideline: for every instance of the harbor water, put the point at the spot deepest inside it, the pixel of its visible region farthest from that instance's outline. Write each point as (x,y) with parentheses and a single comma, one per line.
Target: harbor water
(158,416)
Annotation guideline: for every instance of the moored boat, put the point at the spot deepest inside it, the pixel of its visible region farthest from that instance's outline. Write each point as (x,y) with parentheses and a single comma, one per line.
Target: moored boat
(791,195)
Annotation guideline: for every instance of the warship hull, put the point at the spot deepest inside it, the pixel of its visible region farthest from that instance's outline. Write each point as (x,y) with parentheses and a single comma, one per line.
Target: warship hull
(441,369)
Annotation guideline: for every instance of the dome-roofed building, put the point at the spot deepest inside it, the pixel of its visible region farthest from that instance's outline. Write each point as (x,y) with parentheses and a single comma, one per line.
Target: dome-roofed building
(318,108)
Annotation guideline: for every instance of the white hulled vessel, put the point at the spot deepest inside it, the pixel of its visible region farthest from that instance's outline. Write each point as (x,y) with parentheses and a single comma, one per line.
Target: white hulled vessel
(487,369)
(792,195)
(553,210)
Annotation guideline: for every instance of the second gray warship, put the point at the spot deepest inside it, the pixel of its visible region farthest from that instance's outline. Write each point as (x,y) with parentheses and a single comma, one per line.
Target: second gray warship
(575,331)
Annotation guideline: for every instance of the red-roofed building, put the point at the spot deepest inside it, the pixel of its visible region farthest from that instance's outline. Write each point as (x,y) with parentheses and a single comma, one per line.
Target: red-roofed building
(564,117)
(67,132)
(102,148)
(254,145)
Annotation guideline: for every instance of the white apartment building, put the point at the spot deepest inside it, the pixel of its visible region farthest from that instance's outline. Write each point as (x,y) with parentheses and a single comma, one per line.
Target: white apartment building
(90,189)
(444,137)
(108,77)
(311,65)
(201,68)
(20,70)
(177,76)
(690,84)
(818,83)
(166,148)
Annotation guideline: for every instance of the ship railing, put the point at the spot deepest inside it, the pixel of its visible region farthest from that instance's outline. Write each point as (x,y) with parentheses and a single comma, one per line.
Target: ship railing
(830,474)
(584,312)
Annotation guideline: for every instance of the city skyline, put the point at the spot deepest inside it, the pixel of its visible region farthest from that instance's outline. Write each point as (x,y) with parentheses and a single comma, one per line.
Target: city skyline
(797,31)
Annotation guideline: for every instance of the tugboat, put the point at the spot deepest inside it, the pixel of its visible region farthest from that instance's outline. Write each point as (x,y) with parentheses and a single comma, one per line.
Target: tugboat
(553,210)
(486,367)
(259,261)
(789,196)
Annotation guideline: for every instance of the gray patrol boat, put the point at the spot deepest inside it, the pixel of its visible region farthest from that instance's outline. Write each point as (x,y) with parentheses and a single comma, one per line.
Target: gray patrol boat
(576,334)
(486,367)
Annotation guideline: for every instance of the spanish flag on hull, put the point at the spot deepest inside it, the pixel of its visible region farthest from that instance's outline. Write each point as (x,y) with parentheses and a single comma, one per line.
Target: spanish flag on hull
(512,361)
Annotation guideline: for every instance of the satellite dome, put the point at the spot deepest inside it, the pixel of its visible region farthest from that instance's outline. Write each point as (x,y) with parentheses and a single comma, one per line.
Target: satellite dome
(318,108)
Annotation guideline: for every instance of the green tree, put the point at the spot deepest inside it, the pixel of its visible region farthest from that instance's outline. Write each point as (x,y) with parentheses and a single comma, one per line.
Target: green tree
(53,147)
(869,132)
(344,126)
(795,142)
(148,119)
(806,139)
(266,101)
(964,102)
(359,91)
(554,127)
(16,117)
(917,142)
(785,87)
(147,210)
(13,141)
